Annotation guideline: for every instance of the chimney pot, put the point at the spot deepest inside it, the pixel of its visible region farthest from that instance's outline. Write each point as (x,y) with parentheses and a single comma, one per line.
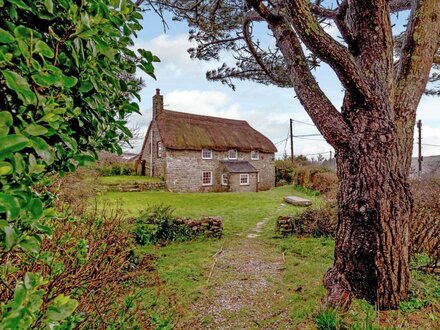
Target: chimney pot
(157,103)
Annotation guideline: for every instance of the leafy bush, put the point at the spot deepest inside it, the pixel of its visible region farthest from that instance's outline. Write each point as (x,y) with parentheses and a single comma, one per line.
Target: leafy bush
(157,224)
(87,260)
(115,169)
(66,81)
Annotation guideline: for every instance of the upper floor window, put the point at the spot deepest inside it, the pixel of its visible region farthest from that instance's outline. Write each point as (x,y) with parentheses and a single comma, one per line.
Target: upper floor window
(207,178)
(255,155)
(206,154)
(232,154)
(159,149)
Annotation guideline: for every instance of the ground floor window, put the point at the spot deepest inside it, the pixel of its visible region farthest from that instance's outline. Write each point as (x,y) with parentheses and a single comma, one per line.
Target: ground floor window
(244,179)
(225,180)
(207,178)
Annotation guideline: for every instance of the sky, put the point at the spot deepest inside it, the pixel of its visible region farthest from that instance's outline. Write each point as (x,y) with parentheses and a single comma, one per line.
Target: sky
(268,109)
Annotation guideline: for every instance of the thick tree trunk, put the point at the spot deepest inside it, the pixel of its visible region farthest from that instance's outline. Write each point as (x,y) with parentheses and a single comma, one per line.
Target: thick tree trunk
(372,240)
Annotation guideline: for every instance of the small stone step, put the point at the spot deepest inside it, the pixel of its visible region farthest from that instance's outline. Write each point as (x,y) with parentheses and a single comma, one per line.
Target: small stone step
(297,201)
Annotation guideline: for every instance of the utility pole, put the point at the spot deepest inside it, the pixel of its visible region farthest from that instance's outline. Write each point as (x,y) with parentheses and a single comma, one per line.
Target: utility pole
(419,126)
(291,140)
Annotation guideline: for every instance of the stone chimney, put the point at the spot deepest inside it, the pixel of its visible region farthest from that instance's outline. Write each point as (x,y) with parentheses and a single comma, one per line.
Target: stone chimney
(157,103)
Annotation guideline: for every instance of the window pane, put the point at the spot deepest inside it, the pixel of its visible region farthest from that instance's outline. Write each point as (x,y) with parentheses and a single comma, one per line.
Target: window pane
(207,178)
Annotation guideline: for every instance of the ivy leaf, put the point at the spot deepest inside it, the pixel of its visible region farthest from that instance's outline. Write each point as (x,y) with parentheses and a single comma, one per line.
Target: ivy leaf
(30,244)
(5,122)
(6,118)
(6,37)
(36,207)
(36,130)
(85,86)
(12,143)
(5,168)
(49,5)
(20,4)
(45,79)
(10,204)
(61,307)
(42,149)
(10,237)
(68,82)
(42,48)
(18,84)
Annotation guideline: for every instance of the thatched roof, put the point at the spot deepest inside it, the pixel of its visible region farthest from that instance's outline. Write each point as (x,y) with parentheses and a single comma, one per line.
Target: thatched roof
(183,131)
(238,166)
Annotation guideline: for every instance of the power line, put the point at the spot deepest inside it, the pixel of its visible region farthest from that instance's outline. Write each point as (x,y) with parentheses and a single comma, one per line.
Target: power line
(302,122)
(302,138)
(306,135)
(317,153)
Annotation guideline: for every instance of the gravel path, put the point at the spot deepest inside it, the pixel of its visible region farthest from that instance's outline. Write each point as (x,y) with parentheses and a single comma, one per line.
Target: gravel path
(243,289)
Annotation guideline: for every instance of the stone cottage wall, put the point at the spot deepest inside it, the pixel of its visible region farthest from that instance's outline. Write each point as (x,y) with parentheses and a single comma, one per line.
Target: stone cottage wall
(234,183)
(158,163)
(265,165)
(184,171)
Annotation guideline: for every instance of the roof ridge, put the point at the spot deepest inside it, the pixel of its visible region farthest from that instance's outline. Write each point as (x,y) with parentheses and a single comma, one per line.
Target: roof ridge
(204,116)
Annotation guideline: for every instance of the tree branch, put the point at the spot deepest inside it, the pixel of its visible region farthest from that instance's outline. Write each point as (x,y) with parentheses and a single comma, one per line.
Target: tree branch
(326,117)
(249,18)
(418,51)
(399,5)
(327,48)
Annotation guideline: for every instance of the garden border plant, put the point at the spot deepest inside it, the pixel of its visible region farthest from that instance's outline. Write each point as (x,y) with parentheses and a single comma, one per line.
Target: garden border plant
(66,81)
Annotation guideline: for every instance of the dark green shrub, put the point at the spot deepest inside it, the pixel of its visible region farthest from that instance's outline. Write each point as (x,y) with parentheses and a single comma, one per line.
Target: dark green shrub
(319,222)
(158,225)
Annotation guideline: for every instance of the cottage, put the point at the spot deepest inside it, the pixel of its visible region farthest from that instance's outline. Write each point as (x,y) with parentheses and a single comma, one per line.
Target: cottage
(195,153)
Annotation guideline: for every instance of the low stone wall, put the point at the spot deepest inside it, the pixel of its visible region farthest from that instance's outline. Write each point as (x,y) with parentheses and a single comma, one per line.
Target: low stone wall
(135,186)
(285,225)
(209,226)
(142,186)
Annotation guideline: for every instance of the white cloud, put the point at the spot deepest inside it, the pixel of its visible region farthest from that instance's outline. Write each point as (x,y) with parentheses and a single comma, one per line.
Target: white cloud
(208,103)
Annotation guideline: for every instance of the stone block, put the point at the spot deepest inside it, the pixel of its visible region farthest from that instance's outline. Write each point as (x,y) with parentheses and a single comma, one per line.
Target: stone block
(297,201)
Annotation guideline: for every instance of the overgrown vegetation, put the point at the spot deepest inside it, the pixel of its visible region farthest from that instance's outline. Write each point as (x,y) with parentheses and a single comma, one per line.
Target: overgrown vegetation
(66,80)
(157,224)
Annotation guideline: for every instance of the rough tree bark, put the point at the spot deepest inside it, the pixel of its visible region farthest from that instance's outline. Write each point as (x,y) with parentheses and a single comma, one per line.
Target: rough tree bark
(372,133)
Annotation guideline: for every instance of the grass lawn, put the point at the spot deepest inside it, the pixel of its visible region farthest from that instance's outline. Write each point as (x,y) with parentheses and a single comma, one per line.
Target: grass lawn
(240,211)
(118,179)
(182,269)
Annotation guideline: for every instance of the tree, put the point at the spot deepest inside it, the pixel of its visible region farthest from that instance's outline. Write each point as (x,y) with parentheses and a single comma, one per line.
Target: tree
(372,133)
(66,88)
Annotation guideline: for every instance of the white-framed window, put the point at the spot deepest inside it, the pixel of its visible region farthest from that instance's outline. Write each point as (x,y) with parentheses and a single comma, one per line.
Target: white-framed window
(159,149)
(244,179)
(207,178)
(225,180)
(233,154)
(206,154)
(255,155)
